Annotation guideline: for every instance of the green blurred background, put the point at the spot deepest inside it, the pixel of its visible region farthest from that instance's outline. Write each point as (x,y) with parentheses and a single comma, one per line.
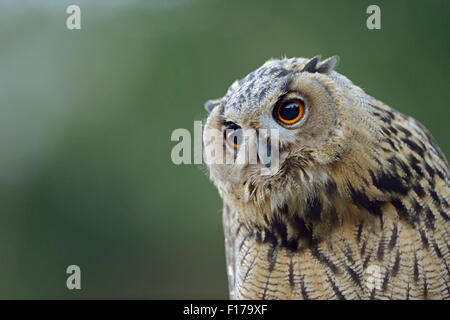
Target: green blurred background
(86,116)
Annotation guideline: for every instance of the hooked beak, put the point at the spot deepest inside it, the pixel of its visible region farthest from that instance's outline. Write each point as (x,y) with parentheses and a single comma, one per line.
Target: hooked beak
(268,153)
(264,152)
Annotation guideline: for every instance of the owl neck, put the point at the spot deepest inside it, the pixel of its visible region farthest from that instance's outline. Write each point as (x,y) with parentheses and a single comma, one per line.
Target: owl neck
(295,215)
(293,223)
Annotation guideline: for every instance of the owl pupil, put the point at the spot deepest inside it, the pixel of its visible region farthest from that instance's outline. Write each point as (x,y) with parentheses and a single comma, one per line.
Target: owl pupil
(289,111)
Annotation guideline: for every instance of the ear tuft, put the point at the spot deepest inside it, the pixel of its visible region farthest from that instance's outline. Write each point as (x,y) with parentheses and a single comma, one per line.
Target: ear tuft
(310,66)
(314,65)
(211,104)
(328,64)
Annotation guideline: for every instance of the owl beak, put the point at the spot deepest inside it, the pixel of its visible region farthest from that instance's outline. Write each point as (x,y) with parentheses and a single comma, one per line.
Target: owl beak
(264,152)
(268,152)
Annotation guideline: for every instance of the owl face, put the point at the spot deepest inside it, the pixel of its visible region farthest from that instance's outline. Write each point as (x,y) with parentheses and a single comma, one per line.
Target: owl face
(287,115)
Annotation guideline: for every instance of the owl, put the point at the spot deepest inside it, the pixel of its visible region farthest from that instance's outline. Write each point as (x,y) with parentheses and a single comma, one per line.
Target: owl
(357,205)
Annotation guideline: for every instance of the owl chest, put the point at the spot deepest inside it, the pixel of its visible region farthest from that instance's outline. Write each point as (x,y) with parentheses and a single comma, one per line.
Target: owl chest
(362,264)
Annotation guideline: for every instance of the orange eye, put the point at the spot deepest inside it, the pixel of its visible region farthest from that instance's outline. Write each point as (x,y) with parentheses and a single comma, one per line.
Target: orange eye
(233,137)
(290,112)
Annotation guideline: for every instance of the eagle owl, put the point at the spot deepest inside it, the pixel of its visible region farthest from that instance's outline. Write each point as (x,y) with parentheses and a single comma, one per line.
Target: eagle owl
(358,206)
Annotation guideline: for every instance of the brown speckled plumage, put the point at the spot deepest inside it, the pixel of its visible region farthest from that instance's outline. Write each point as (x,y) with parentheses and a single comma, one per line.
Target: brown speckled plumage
(359,208)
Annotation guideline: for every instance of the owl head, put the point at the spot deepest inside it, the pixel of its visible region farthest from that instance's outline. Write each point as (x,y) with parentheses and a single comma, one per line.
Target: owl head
(309,110)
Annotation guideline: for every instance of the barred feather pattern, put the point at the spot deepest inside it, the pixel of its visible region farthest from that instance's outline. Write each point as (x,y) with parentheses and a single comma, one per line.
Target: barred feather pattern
(399,250)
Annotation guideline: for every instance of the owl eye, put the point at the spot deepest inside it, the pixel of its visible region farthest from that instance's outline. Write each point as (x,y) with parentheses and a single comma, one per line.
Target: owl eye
(290,111)
(233,137)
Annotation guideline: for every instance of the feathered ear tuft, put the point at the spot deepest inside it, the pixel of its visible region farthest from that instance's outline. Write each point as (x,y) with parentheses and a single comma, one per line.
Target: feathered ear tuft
(310,66)
(314,65)
(211,104)
(328,64)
